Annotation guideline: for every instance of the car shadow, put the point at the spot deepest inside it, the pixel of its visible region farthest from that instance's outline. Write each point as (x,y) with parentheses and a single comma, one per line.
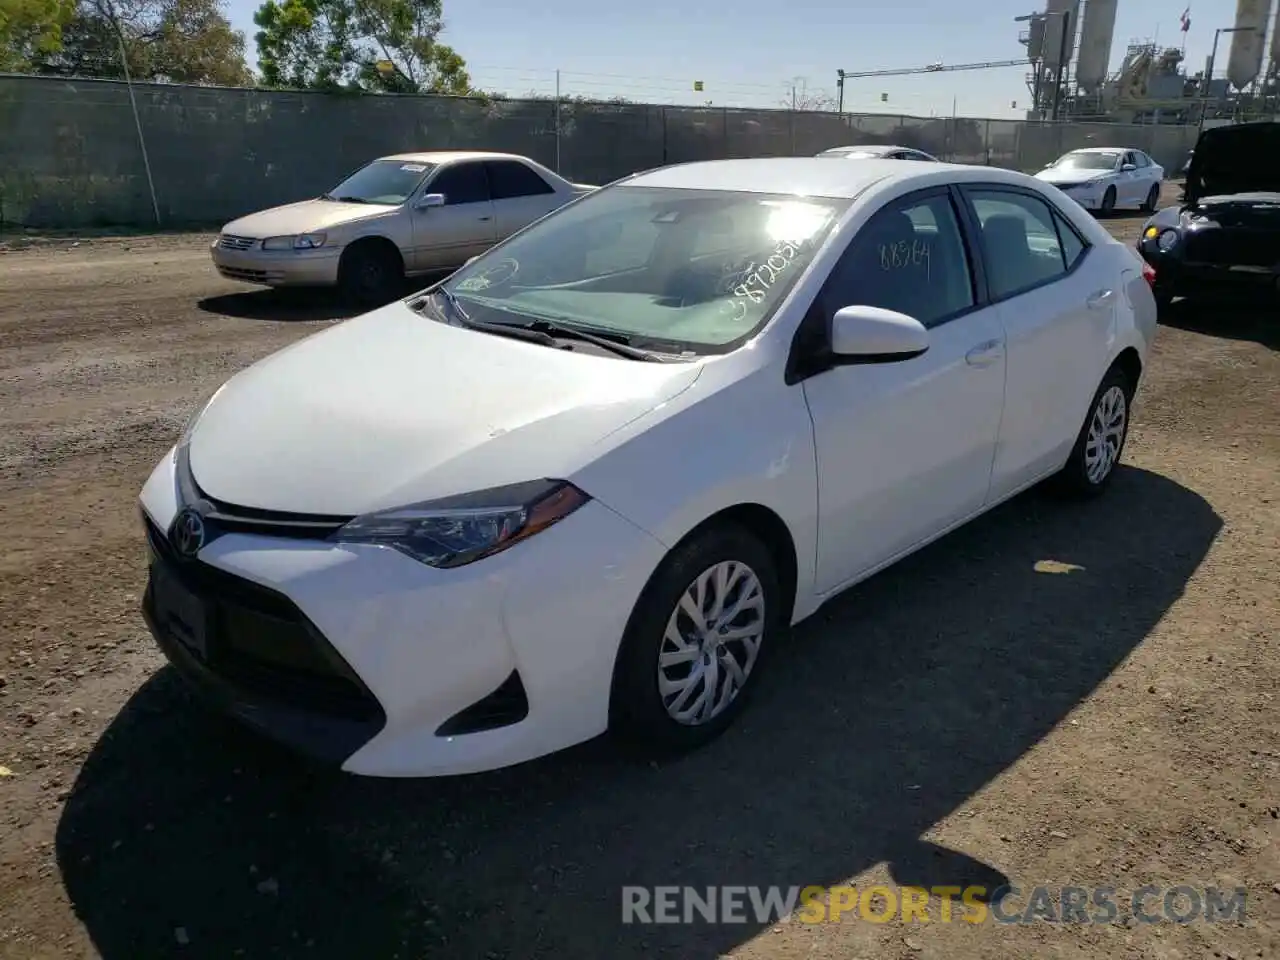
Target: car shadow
(284,305)
(1232,317)
(297,304)
(893,706)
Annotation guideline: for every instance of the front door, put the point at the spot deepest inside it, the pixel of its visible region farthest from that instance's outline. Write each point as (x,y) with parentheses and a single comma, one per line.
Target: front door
(446,237)
(904,449)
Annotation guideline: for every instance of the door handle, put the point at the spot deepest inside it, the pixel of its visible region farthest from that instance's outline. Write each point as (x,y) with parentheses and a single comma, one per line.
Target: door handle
(483,219)
(984,354)
(1098,299)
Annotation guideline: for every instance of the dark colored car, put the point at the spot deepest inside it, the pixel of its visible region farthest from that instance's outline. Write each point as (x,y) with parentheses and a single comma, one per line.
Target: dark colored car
(1225,232)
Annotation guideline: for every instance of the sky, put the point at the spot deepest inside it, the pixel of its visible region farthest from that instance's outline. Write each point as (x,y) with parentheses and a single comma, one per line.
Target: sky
(753,52)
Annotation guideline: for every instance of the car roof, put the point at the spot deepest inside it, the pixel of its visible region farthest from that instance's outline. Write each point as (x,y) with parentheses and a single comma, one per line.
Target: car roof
(449,156)
(816,177)
(1105,150)
(870,148)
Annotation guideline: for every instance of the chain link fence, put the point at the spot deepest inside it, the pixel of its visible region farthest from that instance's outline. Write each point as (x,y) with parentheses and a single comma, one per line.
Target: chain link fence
(71,155)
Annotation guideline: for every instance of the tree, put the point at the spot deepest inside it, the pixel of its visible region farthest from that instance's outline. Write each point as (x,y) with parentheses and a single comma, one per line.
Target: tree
(181,41)
(31,28)
(383,46)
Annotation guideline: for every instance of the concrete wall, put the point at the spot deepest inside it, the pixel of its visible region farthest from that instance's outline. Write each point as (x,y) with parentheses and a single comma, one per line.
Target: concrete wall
(70,153)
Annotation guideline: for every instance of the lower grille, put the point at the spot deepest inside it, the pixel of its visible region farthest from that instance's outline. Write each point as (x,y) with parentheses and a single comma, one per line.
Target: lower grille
(258,641)
(250,276)
(229,242)
(505,706)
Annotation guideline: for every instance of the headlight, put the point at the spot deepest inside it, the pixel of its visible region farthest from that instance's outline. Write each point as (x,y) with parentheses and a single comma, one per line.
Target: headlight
(459,530)
(305,241)
(1167,240)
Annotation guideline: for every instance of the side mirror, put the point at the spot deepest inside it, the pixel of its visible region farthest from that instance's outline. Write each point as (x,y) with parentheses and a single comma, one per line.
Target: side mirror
(430,200)
(861,334)
(1128,166)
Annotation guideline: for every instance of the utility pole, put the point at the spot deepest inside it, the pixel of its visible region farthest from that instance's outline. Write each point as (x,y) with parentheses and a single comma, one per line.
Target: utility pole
(557,121)
(839,91)
(133,101)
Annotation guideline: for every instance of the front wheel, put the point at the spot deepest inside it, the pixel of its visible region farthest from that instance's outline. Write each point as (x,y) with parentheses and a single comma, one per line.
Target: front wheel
(370,274)
(1101,440)
(697,641)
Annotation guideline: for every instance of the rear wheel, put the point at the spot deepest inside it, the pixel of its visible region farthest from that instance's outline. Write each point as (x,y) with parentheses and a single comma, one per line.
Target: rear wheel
(1109,200)
(1101,440)
(699,636)
(370,273)
(1153,198)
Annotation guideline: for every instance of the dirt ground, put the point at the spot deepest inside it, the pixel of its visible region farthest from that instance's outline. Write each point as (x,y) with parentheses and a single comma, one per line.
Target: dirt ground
(1059,695)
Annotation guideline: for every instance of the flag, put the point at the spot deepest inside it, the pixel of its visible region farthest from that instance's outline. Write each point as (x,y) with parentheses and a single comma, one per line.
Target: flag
(1186,20)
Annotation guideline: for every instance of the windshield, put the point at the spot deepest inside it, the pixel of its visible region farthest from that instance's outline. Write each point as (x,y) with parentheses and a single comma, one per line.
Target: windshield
(383,181)
(671,269)
(1087,161)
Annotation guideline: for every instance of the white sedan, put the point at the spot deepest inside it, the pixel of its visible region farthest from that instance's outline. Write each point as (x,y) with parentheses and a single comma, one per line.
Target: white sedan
(1104,178)
(587,482)
(407,214)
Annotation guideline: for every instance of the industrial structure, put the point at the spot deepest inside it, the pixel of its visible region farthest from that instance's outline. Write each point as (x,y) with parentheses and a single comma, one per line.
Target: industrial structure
(1069,48)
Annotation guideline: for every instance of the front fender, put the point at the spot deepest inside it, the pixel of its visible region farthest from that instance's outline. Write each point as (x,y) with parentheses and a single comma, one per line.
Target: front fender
(724,443)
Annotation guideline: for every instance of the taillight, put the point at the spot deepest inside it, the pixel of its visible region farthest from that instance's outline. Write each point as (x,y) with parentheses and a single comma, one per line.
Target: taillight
(1149,274)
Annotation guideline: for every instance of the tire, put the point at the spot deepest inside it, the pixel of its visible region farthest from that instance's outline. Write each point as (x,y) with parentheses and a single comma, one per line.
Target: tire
(1108,201)
(370,274)
(1153,199)
(639,714)
(1079,478)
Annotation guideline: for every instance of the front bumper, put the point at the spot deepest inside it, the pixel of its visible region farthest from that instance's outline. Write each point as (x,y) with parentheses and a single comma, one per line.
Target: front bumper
(1178,276)
(277,268)
(387,667)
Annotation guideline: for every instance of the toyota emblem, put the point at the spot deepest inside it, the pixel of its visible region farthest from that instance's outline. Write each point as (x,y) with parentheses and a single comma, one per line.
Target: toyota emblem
(187,533)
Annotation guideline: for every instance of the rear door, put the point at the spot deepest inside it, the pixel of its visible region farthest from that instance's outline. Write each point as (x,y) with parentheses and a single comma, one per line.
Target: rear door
(1056,301)
(520,195)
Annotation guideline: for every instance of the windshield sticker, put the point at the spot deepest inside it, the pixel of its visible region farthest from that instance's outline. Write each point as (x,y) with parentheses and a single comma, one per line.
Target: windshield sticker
(491,276)
(414,167)
(897,256)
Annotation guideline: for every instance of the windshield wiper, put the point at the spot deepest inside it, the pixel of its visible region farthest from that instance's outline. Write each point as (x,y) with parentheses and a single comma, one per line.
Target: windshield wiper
(617,342)
(514,331)
(352,200)
(548,331)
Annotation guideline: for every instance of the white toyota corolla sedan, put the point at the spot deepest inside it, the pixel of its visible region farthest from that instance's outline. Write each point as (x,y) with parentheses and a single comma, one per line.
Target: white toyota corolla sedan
(589,481)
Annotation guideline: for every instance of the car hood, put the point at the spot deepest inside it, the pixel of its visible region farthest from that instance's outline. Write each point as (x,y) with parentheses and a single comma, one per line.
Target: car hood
(393,408)
(1231,159)
(306,216)
(1071,176)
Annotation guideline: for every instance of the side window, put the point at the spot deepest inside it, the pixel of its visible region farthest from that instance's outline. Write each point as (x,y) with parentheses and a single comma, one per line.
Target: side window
(1019,241)
(1129,158)
(462,183)
(1072,246)
(510,178)
(910,257)
(1141,159)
